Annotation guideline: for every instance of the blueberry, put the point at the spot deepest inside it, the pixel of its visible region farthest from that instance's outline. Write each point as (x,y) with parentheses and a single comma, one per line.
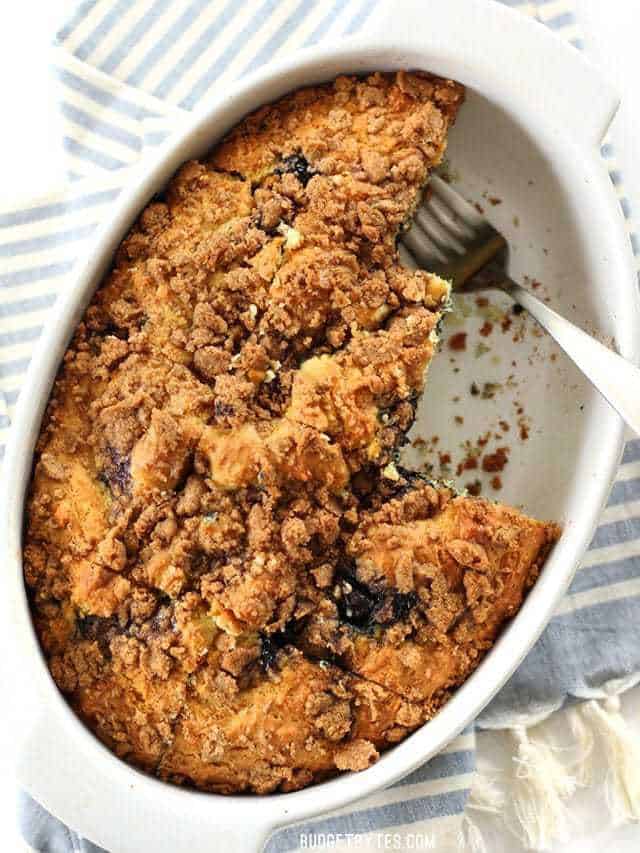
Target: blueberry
(112,330)
(298,165)
(357,604)
(222,409)
(364,483)
(271,644)
(409,482)
(268,652)
(117,473)
(99,629)
(362,607)
(95,627)
(402,603)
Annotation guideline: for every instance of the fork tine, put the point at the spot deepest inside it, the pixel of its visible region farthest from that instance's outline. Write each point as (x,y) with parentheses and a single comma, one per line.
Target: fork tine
(454,202)
(437,231)
(449,237)
(448,218)
(406,258)
(423,249)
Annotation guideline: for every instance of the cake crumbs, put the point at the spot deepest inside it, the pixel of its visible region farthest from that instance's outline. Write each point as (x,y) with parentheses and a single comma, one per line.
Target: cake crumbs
(474,488)
(470,463)
(497,461)
(458,342)
(489,390)
(523,428)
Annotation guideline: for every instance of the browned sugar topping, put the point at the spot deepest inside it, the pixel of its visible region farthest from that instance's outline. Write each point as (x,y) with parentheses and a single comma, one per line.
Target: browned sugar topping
(215,513)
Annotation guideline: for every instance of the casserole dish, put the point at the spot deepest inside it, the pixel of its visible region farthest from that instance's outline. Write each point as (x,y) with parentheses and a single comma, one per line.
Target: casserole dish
(518,127)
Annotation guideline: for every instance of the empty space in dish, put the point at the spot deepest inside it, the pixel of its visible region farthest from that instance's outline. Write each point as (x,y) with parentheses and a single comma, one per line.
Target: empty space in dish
(510,386)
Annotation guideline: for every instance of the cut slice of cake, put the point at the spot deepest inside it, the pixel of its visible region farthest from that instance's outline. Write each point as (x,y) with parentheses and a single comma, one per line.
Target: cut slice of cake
(427,581)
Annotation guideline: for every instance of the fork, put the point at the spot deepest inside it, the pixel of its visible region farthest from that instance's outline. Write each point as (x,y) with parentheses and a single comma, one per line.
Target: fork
(449,237)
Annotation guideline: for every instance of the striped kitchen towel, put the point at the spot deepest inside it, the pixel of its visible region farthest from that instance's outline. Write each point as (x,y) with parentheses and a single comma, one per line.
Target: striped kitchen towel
(129,70)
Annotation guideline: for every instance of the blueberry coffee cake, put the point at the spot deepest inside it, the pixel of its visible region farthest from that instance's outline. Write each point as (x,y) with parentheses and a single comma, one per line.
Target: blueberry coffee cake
(235,583)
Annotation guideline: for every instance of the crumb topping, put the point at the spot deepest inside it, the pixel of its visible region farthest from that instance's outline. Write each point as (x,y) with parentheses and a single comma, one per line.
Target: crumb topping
(234,584)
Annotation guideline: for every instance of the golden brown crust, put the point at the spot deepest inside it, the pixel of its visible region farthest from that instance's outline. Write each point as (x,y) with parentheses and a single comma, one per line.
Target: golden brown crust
(431,578)
(218,447)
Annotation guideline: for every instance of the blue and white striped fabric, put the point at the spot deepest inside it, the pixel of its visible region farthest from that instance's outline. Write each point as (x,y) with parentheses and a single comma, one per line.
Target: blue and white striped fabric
(128,71)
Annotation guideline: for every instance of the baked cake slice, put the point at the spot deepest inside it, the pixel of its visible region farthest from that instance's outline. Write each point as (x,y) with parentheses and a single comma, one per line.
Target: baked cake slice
(425,584)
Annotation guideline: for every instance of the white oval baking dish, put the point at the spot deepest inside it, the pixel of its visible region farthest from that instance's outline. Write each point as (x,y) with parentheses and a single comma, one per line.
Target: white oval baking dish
(535,117)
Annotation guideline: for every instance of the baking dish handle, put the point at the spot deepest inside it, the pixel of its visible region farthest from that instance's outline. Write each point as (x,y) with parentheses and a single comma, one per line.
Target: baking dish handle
(507,56)
(50,766)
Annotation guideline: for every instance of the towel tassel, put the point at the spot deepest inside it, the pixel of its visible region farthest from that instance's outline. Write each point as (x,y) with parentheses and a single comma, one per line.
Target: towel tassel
(486,797)
(540,787)
(472,839)
(485,794)
(584,739)
(621,749)
(545,776)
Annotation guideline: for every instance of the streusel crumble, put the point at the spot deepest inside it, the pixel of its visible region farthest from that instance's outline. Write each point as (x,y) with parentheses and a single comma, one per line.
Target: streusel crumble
(235,584)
